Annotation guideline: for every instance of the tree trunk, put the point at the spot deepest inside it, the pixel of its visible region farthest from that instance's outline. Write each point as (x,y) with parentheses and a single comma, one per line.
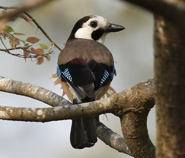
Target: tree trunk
(170,88)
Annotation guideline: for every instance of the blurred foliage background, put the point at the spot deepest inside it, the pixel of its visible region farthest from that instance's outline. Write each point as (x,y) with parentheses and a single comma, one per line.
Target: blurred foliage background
(133,54)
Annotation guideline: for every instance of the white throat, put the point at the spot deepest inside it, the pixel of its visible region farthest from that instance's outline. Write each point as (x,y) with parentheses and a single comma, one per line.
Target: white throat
(85,33)
(86,30)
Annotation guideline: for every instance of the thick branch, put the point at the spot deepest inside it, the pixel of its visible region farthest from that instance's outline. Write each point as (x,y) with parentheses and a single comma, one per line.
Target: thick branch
(105,134)
(138,98)
(135,131)
(32,91)
(173,11)
(56,113)
(134,124)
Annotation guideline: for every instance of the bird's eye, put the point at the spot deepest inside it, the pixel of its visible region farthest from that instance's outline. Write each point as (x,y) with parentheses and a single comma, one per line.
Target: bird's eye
(94,24)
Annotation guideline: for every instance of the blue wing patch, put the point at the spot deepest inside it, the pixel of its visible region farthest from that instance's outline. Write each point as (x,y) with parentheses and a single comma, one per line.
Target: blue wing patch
(104,78)
(66,73)
(59,72)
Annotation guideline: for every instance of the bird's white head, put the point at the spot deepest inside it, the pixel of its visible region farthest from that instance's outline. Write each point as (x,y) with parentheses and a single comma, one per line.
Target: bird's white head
(93,27)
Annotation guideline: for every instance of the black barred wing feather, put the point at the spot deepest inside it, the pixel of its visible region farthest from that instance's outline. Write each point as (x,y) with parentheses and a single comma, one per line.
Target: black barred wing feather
(86,77)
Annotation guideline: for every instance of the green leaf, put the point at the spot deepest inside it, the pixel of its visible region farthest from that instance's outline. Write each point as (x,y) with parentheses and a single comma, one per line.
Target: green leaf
(4,12)
(9,29)
(43,46)
(16,33)
(26,44)
(48,57)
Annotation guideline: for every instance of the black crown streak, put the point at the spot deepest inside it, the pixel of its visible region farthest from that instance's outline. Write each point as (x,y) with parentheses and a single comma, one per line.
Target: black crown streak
(78,25)
(96,35)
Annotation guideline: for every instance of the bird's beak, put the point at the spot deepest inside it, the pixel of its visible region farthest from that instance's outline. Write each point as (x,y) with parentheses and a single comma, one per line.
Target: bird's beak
(113,28)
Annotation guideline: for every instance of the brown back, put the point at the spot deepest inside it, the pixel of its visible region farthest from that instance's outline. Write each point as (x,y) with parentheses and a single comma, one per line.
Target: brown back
(88,50)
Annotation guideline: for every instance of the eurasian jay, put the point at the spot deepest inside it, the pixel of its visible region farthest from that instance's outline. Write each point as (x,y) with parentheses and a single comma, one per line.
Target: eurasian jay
(86,69)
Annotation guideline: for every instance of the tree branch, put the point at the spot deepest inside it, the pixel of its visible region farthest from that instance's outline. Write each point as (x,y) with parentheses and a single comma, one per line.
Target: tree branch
(165,8)
(23,48)
(36,23)
(134,127)
(138,99)
(105,134)
(32,91)
(31,55)
(134,124)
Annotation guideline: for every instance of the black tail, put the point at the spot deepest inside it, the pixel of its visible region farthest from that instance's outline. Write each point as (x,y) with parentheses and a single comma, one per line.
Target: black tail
(83,132)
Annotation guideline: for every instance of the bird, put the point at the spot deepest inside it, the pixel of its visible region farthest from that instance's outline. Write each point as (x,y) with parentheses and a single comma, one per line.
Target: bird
(86,69)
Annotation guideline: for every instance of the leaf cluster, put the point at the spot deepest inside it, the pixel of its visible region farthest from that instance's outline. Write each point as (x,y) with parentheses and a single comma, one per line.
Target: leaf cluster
(27,45)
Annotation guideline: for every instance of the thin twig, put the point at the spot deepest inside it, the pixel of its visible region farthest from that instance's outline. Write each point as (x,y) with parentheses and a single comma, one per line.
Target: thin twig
(42,30)
(5,46)
(23,48)
(5,8)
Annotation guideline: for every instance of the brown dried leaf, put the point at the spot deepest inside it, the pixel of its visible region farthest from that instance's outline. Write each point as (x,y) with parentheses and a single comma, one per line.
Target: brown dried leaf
(112,89)
(26,54)
(16,42)
(34,51)
(40,60)
(107,94)
(12,42)
(40,51)
(4,35)
(63,93)
(26,19)
(58,81)
(32,40)
(54,76)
